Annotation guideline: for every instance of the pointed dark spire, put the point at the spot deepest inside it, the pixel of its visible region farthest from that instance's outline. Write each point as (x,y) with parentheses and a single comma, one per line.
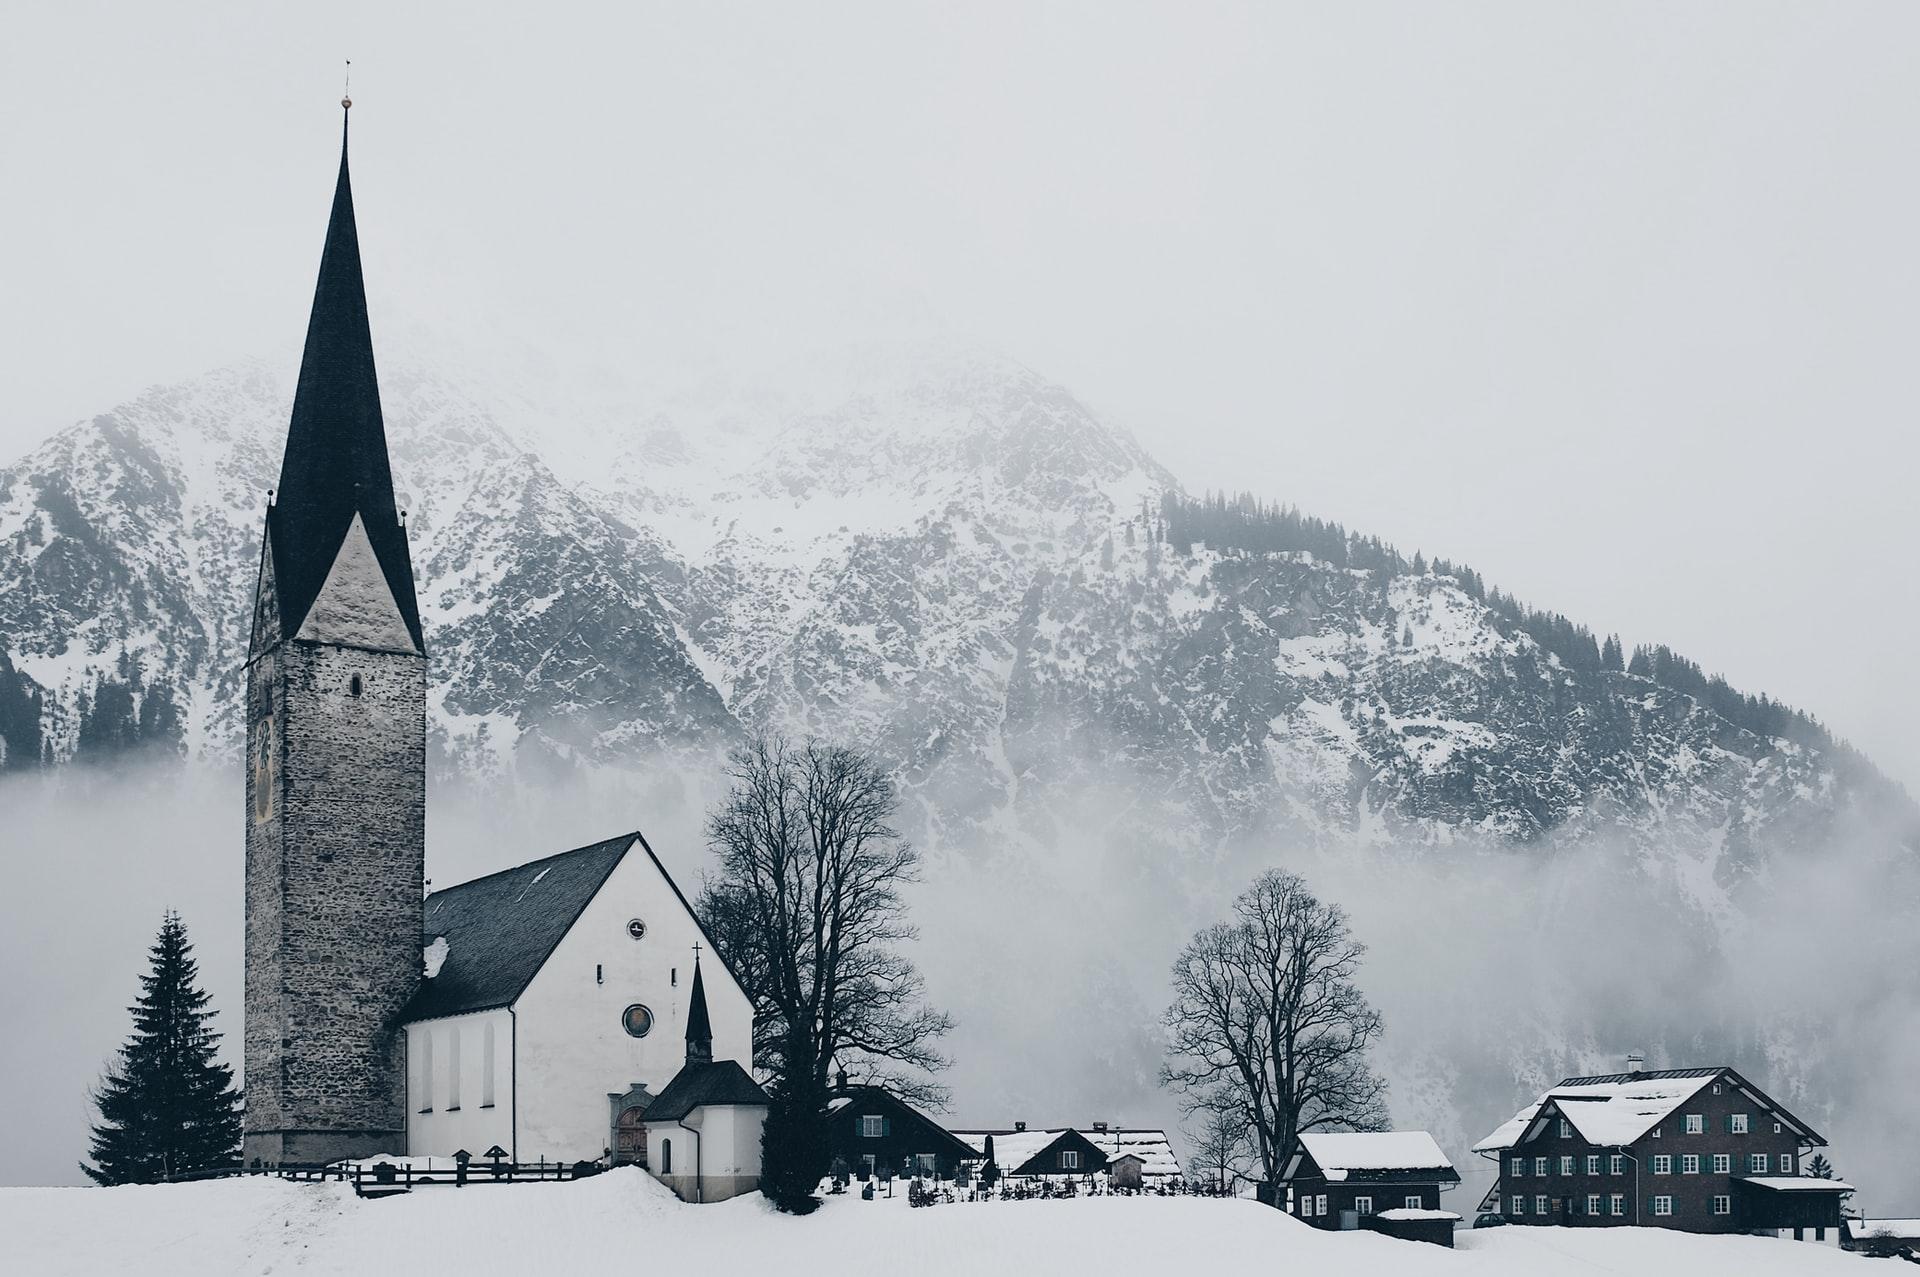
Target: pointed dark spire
(336,459)
(699,1027)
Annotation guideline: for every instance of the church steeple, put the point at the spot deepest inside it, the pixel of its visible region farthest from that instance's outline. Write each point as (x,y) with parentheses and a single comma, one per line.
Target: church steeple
(335,467)
(699,1026)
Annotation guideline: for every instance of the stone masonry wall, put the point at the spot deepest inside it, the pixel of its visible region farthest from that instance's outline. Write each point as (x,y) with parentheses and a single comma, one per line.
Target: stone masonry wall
(335,879)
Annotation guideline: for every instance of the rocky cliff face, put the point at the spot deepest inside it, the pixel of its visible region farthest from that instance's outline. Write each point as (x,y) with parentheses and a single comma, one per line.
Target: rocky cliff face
(932,551)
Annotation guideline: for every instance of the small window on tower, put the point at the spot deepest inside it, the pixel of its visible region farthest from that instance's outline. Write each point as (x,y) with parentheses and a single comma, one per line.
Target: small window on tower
(353,686)
(637,1020)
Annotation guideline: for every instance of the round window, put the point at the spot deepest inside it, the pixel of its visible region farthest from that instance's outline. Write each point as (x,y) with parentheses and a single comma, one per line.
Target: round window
(636,928)
(637,1020)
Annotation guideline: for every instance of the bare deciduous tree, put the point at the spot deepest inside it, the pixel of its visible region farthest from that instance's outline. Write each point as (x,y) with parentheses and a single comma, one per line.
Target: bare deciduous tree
(1267,1023)
(1224,1139)
(805,906)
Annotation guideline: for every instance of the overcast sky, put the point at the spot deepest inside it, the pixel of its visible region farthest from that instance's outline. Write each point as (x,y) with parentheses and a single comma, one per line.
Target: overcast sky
(1617,303)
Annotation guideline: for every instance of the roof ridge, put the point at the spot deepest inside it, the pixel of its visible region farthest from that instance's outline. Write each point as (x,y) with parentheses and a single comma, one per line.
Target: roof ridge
(528,864)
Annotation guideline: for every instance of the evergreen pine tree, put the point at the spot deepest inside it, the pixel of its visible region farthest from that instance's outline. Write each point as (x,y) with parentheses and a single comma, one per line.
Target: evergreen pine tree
(1610,657)
(167,1107)
(1819,1167)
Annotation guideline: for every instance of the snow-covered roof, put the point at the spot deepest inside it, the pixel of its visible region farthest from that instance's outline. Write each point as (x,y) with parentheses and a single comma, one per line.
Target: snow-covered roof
(1012,1148)
(1015,1148)
(1410,1212)
(1798,1184)
(1611,1112)
(1902,1228)
(1340,1154)
(1151,1147)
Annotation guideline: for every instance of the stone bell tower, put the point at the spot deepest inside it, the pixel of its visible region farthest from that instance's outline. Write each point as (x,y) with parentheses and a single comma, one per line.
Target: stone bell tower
(336,757)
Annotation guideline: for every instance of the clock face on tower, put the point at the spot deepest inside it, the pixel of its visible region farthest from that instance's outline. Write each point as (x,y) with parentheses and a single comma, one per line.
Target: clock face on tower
(266,768)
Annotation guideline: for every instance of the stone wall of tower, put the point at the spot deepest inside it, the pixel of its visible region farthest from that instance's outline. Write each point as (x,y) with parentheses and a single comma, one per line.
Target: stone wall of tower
(335,879)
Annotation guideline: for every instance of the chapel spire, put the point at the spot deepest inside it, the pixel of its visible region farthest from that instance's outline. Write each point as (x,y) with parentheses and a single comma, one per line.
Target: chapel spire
(336,466)
(699,1026)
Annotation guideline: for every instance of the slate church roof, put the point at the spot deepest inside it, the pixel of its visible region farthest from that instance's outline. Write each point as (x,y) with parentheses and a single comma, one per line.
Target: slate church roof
(706,1082)
(335,464)
(500,928)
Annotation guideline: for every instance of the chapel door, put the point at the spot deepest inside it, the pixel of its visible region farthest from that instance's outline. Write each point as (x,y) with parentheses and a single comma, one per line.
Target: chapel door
(630,1138)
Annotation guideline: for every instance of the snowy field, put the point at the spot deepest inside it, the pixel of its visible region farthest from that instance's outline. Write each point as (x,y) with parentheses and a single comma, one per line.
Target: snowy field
(626,1220)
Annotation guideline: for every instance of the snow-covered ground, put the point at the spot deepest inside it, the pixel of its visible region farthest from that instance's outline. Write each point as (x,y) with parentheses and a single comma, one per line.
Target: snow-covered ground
(625,1219)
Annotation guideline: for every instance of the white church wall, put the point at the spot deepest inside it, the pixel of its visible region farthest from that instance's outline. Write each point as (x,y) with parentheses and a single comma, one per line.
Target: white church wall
(460,1084)
(574,1051)
(725,1155)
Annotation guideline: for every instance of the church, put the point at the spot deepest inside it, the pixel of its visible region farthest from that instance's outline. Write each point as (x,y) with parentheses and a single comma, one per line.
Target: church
(559,1010)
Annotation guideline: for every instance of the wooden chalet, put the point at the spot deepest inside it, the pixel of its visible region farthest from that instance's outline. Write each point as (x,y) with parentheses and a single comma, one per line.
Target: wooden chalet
(1702,1150)
(874,1130)
(1066,1150)
(1387,1181)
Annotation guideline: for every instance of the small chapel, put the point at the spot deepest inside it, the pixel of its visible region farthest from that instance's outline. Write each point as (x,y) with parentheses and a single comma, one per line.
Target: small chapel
(569,1009)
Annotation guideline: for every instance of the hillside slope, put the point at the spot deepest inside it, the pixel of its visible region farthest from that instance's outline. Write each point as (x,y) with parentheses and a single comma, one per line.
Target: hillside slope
(251,1227)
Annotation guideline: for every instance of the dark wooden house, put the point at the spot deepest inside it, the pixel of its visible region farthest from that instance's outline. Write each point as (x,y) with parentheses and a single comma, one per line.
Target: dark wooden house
(1389,1181)
(1702,1150)
(874,1129)
(1057,1151)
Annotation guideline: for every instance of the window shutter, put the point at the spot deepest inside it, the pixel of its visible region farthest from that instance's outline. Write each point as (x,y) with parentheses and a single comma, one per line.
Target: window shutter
(886,1126)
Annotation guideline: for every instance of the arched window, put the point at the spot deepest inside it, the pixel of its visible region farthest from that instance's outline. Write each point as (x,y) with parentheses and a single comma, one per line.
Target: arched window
(666,1157)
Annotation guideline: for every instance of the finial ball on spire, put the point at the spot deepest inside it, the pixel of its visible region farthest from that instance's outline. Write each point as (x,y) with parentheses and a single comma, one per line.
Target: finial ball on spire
(346,104)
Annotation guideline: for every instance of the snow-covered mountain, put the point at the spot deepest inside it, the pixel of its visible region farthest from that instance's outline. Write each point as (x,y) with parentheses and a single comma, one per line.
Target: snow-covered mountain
(1102,730)
(928,549)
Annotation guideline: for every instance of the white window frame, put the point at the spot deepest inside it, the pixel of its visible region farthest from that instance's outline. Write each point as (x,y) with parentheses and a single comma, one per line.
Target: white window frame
(1566,1129)
(1593,1163)
(1756,1163)
(872,1126)
(1617,1164)
(1662,1164)
(1518,1166)
(1416,1203)
(1540,1166)
(1696,1123)
(1663,1205)
(1516,1203)
(1542,1204)
(1566,1164)
(1617,1204)
(1069,1159)
(926,1164)
(1320,1204)
(1593,1204)
(1723,1163)
(1786,1161)
(1737,1124)
(1690,1164)
(1363,1205)
(1722,1204)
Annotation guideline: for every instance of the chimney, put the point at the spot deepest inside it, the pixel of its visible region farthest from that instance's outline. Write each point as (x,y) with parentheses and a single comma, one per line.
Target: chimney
(1636,1063)
(840,1080)
(1019,1126)
(1100,1126)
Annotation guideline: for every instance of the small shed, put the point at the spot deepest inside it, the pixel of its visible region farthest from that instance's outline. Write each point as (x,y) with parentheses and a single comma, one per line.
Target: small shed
(1408,1224)
(1125,1171)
